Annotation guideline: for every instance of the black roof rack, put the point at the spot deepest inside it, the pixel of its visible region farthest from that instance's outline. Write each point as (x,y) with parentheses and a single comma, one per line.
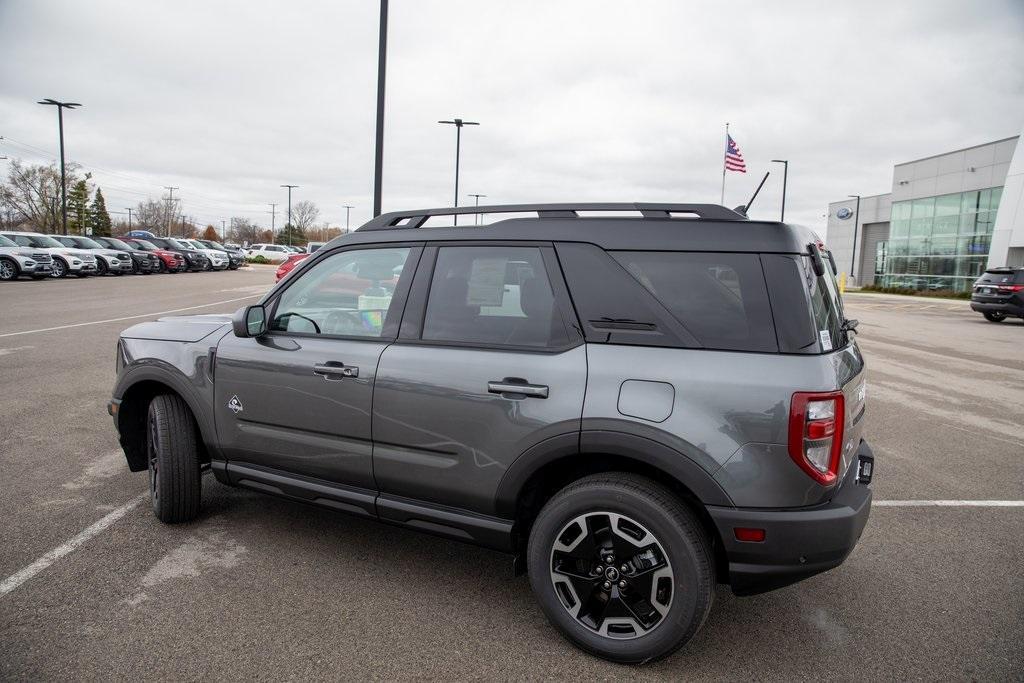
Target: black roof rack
(417,217)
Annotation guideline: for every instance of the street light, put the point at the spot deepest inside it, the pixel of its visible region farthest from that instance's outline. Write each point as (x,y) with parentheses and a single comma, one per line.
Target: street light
(288,228)
(477,197)
(61,106)
(347,209)
(382,58)
(785,174)
(856,219)
(458,123)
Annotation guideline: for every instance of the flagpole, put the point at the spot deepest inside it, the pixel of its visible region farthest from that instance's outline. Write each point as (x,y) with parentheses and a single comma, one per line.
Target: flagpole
(722,202)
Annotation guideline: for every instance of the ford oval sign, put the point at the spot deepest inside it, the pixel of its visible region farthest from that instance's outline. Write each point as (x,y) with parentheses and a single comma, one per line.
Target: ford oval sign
(843,213)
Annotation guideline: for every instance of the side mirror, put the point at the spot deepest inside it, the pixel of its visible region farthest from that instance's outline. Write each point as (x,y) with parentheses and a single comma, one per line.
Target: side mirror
(250,321)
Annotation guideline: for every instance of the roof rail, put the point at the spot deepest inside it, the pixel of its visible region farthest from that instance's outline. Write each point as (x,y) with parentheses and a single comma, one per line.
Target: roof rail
(417,217)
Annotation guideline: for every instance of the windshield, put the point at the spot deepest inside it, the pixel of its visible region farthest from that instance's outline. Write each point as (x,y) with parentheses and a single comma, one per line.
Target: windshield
(4,242)
(44,241)
(116,243)
(214,245)
(86,243)
(161,243)
(179,244)
(143,245)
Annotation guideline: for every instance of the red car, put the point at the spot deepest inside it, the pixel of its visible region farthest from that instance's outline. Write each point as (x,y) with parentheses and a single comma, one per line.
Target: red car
(288,265)
(170,261)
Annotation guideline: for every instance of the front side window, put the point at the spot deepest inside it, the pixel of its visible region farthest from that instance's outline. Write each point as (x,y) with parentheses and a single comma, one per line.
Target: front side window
(493,296)
(348,294)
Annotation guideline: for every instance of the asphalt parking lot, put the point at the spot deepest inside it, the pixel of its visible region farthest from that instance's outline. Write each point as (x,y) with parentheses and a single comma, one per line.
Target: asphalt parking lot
(264,589)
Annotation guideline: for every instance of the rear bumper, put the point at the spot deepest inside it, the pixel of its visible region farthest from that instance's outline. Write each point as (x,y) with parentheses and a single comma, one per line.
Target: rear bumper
(1009,308)
(798,543)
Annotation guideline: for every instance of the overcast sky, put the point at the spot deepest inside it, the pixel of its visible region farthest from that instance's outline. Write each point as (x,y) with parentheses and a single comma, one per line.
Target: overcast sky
(588,100)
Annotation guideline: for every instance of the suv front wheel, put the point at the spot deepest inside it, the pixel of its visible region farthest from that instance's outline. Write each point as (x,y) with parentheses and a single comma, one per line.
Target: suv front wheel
(174,474)
(621,567)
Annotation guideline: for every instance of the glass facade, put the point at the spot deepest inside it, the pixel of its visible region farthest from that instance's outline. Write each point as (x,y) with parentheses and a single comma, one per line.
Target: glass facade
(938,242)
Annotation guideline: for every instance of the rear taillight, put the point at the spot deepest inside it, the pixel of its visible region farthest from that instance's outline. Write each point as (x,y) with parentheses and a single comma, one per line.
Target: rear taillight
(816,434)
(1010,288)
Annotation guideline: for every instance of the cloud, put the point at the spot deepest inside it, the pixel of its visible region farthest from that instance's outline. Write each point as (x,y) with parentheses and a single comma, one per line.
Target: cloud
(594,100)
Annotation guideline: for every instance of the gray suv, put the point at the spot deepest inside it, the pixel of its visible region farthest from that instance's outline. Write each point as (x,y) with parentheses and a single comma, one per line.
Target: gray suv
(637,401)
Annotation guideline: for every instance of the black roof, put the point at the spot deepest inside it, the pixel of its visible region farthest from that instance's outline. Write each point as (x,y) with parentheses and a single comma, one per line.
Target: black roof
(691,227)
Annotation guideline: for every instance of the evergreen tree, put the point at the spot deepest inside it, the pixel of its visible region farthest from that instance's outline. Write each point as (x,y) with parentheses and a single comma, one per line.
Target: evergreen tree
(99,219)
(298,235)
(78,208)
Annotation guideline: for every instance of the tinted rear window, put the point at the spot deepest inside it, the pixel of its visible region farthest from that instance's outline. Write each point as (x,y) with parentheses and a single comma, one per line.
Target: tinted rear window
(720,298)
(1002,277)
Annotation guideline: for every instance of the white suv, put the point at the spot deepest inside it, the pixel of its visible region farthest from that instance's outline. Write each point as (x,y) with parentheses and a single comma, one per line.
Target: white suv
(274,253)
(16,261)
(107,260)
(65,260)
(218,259)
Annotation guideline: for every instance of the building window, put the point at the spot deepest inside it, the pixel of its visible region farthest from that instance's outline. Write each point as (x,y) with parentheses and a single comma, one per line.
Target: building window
(939,242)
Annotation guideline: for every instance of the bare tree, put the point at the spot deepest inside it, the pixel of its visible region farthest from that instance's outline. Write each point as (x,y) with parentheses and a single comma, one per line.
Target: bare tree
(244,231)
(32,195)
(304,214)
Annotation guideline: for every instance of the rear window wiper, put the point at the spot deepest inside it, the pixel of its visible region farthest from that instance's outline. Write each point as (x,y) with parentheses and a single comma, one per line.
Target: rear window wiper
(621,324)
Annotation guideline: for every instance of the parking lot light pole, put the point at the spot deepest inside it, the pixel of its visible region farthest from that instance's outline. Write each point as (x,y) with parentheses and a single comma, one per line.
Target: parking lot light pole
(348,208)
(477,197)
(288,228)
(458,123)
(61,106)
(382,61)
(785,174)
(856,220)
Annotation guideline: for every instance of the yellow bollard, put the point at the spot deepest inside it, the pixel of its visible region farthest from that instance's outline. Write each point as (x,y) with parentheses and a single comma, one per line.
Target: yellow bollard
(842,282)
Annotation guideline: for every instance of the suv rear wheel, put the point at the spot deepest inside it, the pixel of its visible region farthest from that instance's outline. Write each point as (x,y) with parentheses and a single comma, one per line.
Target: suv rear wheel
(174,475)
(994,316)
(621,567)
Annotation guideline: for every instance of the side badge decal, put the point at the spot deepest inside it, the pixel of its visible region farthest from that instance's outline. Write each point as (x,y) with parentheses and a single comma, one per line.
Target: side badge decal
(235,405)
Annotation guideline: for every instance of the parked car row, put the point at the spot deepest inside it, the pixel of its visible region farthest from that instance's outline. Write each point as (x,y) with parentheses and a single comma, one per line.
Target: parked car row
(36,255)
(293,260)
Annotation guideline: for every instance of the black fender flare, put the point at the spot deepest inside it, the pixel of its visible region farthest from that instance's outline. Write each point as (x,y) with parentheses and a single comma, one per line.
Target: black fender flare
(180,385)
(606,442)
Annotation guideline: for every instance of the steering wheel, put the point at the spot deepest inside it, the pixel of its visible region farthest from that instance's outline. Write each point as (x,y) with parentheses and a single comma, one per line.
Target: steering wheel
(340,321)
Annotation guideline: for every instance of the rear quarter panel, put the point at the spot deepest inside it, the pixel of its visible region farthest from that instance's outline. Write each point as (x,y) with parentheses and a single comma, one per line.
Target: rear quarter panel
(728,412)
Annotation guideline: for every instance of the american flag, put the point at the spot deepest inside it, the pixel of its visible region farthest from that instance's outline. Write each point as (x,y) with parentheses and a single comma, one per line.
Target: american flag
(733,158)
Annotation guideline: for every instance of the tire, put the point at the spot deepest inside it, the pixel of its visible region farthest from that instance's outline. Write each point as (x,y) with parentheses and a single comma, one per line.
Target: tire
(101,267)
(681,579)
(135,267)
(60,268)
(994,316)
(163,267)
(9,269)
(81,274)
(175,484)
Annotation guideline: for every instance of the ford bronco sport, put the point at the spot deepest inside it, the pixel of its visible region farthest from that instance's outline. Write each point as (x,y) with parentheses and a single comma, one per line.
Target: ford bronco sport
(638,404)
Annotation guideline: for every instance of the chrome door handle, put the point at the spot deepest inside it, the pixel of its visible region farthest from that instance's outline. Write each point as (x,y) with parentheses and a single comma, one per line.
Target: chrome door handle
(510,387)
(335,370)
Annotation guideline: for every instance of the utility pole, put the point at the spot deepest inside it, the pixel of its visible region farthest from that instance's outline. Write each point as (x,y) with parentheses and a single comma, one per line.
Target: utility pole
(382,59)
(347,209)
(61,106)
(170,207)
(476,217)
(273,218)
(288,228)
(458,123)
(223,230)
(129,219)
(785,174)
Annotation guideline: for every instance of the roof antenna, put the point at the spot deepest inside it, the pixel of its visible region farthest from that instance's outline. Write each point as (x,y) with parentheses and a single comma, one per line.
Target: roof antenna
(742,208)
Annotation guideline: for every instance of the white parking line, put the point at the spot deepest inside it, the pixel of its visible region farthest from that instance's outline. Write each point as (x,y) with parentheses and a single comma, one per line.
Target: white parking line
(20,577)
(949,503)
(5,352)
(130,317)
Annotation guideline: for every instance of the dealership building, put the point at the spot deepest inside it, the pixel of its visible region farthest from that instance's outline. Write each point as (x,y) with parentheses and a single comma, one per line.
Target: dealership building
(947,218)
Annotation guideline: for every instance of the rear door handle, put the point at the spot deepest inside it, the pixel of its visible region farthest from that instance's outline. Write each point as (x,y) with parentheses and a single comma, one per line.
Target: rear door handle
(334,369)
(510,386)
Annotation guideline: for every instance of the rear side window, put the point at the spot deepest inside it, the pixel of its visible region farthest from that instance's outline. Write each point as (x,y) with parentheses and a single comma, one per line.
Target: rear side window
(720,298)
(493,296)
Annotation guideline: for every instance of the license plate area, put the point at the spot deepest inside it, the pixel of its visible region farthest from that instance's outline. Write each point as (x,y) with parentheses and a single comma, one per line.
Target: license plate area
(865,468)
